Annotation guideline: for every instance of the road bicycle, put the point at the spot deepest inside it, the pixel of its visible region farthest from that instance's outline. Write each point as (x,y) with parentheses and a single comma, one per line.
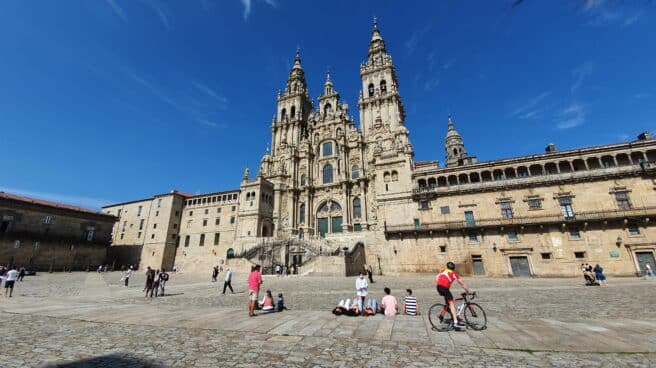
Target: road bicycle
(441,319)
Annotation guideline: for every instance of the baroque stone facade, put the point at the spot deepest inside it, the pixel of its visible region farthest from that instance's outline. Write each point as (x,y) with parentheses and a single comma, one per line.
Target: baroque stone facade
(331,188)
(49,236)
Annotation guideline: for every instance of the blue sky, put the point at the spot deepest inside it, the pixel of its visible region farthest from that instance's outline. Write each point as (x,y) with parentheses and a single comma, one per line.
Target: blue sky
(110,100)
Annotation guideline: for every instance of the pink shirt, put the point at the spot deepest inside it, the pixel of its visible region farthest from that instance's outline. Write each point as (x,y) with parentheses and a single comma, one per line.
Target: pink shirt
(389,303)
(254,281)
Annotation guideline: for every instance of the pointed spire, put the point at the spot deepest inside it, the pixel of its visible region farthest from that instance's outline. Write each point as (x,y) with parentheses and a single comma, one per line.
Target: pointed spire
(450,123)
(328,81)
(297,59)
(375,34)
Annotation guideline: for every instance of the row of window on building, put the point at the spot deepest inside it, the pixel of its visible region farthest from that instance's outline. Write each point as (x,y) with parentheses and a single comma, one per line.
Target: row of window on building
(201,240)
(535,203)
(211,199)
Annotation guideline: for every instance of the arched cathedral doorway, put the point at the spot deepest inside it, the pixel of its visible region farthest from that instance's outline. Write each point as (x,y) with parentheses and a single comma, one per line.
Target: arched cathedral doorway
(329,218)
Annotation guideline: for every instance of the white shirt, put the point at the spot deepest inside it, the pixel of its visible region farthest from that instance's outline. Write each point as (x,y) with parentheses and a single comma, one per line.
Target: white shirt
(347,304)
(228,276)
(12,275)
(361,286)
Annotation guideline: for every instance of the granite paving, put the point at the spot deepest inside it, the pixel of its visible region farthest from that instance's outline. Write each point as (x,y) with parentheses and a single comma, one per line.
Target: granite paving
(91,320)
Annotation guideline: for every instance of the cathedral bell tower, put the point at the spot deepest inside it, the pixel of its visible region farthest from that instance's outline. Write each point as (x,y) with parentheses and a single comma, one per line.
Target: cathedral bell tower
(455,148)
(379,97)
(294,107)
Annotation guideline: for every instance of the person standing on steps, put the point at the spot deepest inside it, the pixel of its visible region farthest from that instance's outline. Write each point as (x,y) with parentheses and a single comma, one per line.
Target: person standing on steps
(227,282)
(370,273)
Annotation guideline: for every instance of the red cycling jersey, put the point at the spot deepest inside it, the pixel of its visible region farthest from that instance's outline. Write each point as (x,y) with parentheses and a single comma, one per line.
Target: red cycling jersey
(446,278)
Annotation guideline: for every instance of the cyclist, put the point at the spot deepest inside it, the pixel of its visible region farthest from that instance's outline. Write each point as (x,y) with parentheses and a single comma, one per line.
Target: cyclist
(444,280)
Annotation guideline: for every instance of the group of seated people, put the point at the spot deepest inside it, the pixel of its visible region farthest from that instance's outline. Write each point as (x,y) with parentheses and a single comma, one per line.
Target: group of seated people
(267,305)
(387,306)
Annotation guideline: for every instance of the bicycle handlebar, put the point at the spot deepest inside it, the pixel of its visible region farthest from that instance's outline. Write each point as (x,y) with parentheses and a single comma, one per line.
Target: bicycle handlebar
(472,294)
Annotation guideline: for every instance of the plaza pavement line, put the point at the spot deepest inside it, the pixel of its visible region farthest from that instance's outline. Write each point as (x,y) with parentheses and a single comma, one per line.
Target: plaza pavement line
(627,336)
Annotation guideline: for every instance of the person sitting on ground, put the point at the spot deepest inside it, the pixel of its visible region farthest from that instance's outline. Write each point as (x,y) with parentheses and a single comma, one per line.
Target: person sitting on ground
(371,309)
(353,310)
(280,305)
(389,303)
(267,303)
(599,274)
(410,306)
(342,307)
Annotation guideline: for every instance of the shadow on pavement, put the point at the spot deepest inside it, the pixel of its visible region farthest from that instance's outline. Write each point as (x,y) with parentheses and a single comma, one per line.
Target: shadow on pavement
(112,360)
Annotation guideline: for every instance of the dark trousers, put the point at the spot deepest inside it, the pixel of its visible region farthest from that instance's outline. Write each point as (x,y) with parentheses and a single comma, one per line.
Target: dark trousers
(126,281)
(228,284)
(371,276)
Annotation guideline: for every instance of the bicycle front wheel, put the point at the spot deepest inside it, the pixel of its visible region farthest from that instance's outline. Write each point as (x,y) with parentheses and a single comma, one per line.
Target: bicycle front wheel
(440,324)
(475,317)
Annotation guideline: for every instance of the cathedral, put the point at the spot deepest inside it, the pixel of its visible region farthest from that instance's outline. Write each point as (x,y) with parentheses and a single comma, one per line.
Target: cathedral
(333,194)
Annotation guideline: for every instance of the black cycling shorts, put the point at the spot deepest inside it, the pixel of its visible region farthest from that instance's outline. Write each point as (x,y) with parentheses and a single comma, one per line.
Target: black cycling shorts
(446,293)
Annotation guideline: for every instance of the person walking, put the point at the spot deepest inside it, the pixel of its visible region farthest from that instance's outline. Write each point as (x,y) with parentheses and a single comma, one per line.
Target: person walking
(254,283)
(163,278)
(649,274)
(361,288)
(215,273)
(370,273)
(11,277)
(127,275)
(150,280)
(155,288)
(227,282)
(21,273)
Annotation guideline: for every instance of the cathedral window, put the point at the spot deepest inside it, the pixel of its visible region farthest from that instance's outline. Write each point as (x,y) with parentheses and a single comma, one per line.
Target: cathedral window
(338,132)
(283,115)
(328,174)
(386,177)
(395,176)
(383,87)
(357,208)
(303,179)
(301,213)
(371,89)
(324,208)
(292,113)
(328,149)
(355,172)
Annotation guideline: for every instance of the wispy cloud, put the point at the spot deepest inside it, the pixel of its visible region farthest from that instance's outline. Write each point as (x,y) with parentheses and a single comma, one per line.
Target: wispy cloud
(154,90)
(117,9)
(81,201)
(161,11)
(580,73)
(416,36)
(248,5)
(449,64)
(432,83)
(606,13)
(570,117)
(210,92)
(247,8)
(530,109)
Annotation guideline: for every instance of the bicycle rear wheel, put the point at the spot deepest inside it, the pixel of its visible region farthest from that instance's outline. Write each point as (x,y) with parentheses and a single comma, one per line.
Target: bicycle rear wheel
(446,324)
(475,317)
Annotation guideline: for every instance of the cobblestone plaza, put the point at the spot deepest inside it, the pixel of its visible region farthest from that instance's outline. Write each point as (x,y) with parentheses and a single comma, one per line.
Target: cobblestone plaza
(90,320)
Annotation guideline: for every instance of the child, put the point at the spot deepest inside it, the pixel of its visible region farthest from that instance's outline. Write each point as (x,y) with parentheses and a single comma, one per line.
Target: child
(280,306)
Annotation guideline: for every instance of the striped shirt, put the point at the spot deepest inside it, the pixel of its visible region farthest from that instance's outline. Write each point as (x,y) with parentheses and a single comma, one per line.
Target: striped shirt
(410,305)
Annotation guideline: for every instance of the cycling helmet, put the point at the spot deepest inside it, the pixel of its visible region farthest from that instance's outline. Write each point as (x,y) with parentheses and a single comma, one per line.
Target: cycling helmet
(451,265)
